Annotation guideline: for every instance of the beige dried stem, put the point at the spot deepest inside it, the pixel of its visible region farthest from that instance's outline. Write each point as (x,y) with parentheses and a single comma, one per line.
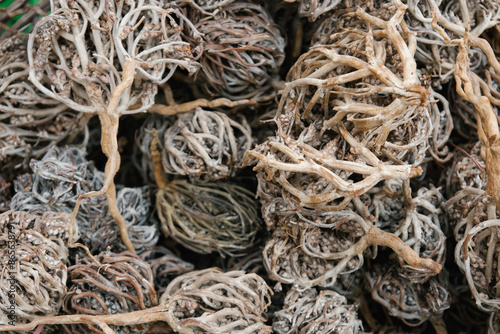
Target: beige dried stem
(109,119)
(488,132)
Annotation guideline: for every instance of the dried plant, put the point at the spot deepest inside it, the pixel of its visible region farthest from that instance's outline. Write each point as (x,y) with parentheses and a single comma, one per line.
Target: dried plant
(242,51)
(209,217)
(205,145)
(33,271)
(433,51)
(310,311)
(109,284)
(30,121)
(209,301)
(494,323)
(413,303)
(165,266)
(309,255)
(417,221)
(344,123)
(137,45)
(63,175)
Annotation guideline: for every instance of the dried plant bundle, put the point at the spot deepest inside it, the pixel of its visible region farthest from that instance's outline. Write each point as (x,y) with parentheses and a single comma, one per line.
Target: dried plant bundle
(310,311)
(242,51)
(209,301)
(63,175)
(109,284)
(352,114)
(33,271)
(433,52)
(135,46)
(417,221)
(209,217)
(205,145)
(30,121)
(309,255)
(413,303)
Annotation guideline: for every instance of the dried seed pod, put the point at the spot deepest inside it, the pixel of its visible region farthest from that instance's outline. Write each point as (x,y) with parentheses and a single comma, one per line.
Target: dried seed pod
(165,266)
(110,284)
(33,273)
(205,145)
(209,217)
(413,303)
(209,301)
(242,51)
(309,312)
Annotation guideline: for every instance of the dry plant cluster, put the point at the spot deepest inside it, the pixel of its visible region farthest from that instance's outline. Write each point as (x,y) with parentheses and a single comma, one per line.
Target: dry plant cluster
(243,166)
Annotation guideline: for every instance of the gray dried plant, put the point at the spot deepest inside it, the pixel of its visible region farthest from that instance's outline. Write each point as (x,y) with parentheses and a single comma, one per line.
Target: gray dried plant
(63,175)
(309,254)
(134,46)
(204,301)
(426,18)
(209,217)
(33,252)
(166,266)
(310,311)
(417,220)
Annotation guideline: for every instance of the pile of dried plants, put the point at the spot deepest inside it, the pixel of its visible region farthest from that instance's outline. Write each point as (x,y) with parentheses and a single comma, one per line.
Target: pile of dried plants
(164,135)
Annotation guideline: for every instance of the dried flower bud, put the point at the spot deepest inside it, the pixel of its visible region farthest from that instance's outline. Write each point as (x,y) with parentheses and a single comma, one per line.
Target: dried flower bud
(309,312)
(113,284)
(32,266)
(209,217)
(209,301)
